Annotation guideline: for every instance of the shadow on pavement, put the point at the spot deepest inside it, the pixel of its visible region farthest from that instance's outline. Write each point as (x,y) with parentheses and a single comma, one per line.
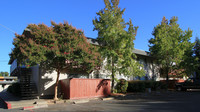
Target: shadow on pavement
(169,101)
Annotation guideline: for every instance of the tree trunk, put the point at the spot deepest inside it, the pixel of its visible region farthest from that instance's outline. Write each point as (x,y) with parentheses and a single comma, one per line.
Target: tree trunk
(113,78)
(167,75)
(113,82)
(56,85)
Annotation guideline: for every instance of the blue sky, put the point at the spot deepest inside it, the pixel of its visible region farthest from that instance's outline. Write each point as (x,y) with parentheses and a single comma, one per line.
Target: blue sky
(17,14)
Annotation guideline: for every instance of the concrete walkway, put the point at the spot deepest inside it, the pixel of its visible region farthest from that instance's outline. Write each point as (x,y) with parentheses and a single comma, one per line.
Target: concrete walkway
(12,102)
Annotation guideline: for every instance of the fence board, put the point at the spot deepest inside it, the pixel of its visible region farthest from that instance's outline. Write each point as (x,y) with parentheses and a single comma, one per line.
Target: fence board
(84,88)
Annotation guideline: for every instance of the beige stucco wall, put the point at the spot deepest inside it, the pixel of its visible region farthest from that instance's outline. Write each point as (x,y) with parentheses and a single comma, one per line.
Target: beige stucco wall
(151,68)
(103,73)
(35,75)
(48,81)
(4,88)
(45,81)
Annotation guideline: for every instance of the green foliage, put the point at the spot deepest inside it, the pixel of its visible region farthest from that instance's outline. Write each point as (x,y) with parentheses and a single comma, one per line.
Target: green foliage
(156,86)
(140,86)
(190,61)
(14,89)
(4,74)
(117,42)
(163,86)
(60,46)
(170,44)
(136,86)
(122,86)
(196,62)
(197,47)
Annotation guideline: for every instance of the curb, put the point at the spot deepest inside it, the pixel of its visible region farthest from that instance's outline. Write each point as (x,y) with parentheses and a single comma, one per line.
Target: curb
(9,105)
(6,104)
(59,102)
(105,99)
(34,107)
(28,107)
(79,101)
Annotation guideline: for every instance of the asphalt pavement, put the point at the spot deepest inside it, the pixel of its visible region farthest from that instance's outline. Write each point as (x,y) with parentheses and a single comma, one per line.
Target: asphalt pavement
(170,101)
(140,102)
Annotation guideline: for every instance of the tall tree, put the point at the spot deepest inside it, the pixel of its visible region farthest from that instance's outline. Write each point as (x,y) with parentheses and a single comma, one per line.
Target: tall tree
(197,56)
(60,46)
(169,44)
(116,42)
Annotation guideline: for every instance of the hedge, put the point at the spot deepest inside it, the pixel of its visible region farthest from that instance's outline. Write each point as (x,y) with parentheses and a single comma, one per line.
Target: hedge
(140,86)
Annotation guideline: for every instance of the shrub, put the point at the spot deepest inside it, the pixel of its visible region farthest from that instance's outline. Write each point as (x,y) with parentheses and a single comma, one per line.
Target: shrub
(140,86)
(163,85)
(156,86)
(136,86)
(148,84)
(122,86)
(14,89)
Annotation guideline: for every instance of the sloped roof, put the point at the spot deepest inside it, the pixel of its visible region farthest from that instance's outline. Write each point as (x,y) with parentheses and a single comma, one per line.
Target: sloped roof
(92,41)
(136,51)
(141,52)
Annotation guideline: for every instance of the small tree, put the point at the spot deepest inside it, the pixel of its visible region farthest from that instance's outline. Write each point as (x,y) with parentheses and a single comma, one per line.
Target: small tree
(170,44)
(58,47)
(117,43)
(4,74)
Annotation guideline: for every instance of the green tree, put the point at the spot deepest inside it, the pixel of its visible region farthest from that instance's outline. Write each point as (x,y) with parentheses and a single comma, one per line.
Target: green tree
(197,56)
(4,74)
(60,46)
(169,44)
(116,42)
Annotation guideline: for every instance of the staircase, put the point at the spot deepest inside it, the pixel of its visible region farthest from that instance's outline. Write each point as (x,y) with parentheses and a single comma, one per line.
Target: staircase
(28,87)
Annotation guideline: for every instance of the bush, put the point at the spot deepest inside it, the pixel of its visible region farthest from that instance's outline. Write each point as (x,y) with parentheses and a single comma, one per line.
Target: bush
(14,89)
(163,85)
(148,84)
(136,86)
(156,86)
(140,86)
(122,86)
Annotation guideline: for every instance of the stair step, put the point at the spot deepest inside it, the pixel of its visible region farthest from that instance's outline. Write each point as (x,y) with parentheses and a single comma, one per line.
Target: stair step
(28,94)
(31,85)
(27,89)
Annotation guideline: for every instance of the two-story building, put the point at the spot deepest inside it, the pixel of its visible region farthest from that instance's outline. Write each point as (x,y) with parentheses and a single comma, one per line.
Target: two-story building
(44,82)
